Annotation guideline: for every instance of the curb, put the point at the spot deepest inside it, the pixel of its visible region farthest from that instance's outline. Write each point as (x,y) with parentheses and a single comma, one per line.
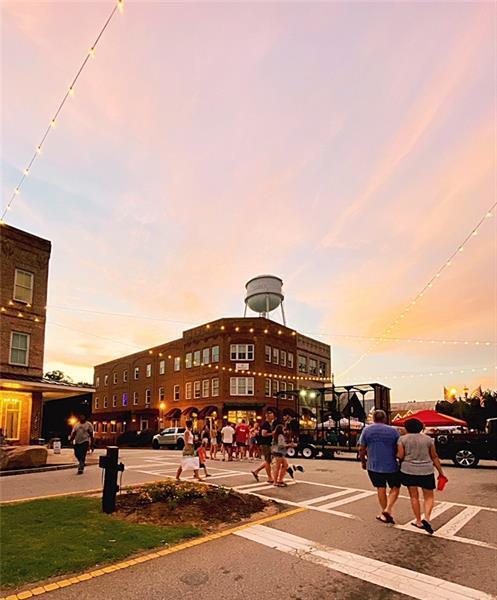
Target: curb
(43,469)
(37,591)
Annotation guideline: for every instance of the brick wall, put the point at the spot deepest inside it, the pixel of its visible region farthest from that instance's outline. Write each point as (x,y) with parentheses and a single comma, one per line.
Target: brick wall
(22,250)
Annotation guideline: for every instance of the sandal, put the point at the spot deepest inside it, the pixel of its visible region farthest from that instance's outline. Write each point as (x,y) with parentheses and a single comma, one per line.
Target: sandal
(255,475)
(427,526)
(388,517)
(381,518)
(417,526)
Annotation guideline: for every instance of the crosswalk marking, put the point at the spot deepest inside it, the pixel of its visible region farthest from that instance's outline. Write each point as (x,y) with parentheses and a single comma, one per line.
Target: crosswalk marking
(386,575)
(438,509)
(353,498)
(458,522)
(327,497)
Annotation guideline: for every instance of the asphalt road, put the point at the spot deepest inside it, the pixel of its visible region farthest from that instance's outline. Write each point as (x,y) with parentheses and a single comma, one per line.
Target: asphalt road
(333,549)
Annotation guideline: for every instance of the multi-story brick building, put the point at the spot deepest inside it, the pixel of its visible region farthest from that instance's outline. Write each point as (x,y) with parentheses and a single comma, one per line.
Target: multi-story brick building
(23,298)
(229,368)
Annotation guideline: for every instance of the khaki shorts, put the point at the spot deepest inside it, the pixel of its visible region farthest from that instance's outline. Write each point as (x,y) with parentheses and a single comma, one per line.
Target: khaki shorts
(266,452)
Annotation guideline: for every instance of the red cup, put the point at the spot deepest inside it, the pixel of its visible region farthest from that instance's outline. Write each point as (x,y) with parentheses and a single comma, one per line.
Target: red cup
(442,482)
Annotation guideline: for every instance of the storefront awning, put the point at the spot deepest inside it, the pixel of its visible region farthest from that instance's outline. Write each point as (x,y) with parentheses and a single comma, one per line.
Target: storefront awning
(188,412)
(174,413)
(50,390)
(207,411)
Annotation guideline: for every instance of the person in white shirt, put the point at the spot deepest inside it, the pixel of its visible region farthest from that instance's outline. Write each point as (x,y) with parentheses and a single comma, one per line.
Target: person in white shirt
(82,438)
(227,436)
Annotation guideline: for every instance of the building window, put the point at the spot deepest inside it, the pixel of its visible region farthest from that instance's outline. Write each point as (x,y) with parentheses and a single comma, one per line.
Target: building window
(215,354)
(205,388)
(206,356)
(276,387)
(96,403)
(135,397)
(276,356)
(143,424)
(267,388)
(215,386)
(105,402)
(137,373)
(125,375)
(114,400)
(177,363)
(106,380)
(95,426)
(188,390)
(19,348)
(149,370)
(196,358)
(242,351)
(323,371)
(241,386)
(113,427)
(290,360)
(290,386)
(302,364)
(162,367)
(268,353)
(148,396)
(313,366)
(97,381)
(162,394)
(188,360)
(283,358)
(23,286)
(283,388)
(196,389)
(114,378)
(176,392)
(125,399)
(104,427)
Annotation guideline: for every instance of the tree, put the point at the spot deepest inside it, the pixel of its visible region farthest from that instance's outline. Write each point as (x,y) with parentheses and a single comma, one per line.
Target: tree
(58,376)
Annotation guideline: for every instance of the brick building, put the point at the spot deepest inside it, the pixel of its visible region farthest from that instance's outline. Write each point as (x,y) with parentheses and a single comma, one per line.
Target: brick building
(229,368)
(23,297)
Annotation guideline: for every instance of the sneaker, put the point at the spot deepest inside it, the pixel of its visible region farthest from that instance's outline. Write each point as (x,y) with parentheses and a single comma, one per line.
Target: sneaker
(290,472)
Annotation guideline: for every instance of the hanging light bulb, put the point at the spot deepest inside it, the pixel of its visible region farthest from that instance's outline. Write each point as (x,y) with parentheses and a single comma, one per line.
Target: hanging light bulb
(120,6)
(71,91)
(26,172)
(91,52)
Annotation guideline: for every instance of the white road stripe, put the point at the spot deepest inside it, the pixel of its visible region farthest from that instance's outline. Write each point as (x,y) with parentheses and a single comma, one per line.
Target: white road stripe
(316,508)
(405,581)
(438,509)
(221,475)
(254,484)
(327,497)
(354,498)
(458,522)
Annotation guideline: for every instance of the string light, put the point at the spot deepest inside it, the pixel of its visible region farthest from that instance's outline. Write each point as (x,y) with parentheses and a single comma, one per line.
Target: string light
(118,6)
(434,373)
(420,294)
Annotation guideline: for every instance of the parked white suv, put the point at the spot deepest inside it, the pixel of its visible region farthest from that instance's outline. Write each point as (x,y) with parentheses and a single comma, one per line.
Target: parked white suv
(169,438)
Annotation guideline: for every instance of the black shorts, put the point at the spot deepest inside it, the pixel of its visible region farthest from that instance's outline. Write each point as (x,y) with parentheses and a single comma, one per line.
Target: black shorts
(241,444)
(228,444)
(427,482)
(380,480)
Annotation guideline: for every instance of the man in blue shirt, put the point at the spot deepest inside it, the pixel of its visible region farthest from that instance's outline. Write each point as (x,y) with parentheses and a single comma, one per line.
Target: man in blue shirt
(378,452)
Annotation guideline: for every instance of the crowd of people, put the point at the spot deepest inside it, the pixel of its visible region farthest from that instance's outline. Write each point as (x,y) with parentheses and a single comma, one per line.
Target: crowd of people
(267,441)
(391,459)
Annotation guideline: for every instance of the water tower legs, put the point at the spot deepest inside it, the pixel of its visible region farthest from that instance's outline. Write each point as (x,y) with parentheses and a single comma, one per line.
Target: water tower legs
(283,314)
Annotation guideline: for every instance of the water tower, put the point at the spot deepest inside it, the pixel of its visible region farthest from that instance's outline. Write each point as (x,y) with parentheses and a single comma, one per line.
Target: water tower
(264,294)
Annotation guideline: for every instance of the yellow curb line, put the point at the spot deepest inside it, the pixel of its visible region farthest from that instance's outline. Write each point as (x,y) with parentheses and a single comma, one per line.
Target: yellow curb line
(151,556)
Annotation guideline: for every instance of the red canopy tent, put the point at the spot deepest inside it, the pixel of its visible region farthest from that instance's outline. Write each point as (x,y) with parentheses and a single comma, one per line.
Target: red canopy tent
(431,418)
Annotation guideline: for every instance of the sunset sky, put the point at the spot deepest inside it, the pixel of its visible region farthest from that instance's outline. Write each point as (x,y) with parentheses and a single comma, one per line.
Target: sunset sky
(348,148)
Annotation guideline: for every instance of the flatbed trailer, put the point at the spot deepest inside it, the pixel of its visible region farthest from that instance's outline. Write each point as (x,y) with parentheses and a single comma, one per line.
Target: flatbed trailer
(330,419)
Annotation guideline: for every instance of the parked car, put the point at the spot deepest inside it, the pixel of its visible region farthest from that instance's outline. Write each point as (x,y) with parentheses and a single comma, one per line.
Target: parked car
(467,449)
(173,437)
(135,439)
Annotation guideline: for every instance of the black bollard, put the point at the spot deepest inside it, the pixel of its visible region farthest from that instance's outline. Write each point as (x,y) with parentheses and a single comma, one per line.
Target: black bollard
(111,468)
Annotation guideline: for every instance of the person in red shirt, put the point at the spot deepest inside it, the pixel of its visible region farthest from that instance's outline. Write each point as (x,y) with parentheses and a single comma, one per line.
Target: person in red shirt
(241,435)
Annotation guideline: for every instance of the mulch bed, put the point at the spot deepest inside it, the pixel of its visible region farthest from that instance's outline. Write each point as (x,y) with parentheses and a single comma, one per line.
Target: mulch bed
(209,508)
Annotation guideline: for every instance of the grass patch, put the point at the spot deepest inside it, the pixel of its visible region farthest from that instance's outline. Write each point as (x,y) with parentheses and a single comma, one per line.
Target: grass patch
(54,536)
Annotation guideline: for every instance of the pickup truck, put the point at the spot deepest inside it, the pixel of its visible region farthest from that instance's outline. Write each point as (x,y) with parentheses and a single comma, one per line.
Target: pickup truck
(467,449)
(173,437)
